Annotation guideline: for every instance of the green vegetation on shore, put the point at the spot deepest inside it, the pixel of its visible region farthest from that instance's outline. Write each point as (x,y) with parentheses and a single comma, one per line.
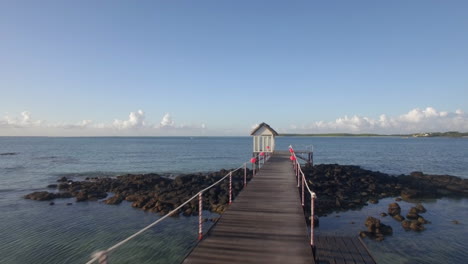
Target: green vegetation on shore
(429,134)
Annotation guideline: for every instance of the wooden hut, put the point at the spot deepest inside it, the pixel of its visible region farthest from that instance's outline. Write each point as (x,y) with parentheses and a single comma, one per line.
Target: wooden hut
(263,138)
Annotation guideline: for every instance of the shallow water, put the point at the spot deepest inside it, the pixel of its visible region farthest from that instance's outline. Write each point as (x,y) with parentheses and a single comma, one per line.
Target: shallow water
(34,232)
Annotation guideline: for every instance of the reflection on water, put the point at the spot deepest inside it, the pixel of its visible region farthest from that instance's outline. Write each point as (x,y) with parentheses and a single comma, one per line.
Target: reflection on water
(441,242)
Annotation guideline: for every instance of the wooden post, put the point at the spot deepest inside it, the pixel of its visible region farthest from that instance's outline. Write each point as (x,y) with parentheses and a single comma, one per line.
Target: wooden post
(230,187)
(312,199)
(102,259)
(302,192)
(297,173)
(200,209)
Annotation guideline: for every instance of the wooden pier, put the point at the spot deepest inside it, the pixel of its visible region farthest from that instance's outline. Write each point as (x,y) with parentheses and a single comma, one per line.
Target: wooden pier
(341,250)
(266,224)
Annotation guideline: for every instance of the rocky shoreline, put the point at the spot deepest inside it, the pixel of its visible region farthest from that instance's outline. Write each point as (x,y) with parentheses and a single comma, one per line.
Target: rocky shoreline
(338,188)
(341,188)
(345,187)
(150,192)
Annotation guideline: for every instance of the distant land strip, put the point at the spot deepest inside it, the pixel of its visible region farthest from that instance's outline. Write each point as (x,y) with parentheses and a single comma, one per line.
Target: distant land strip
(453,134)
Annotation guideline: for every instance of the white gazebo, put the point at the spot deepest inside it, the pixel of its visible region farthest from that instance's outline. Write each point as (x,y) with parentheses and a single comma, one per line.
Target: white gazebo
(263,138)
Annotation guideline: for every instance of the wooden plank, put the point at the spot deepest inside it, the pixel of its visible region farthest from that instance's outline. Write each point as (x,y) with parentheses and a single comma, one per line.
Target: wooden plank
(364,251)
(265,224)
(337,249)
(324,250)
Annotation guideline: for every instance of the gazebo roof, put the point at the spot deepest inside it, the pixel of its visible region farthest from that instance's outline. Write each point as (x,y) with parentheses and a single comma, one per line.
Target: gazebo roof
(266,127)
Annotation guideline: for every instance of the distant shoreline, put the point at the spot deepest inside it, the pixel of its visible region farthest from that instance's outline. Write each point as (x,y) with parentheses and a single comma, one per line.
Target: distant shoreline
(417,135)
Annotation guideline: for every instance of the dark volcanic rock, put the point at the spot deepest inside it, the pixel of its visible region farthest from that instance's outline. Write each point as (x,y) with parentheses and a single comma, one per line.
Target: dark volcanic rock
(40,196)
(63,179)
(413,213)
(151,192)
(116,199)
(375,229)
(394,209)
(420,208)
(342,187)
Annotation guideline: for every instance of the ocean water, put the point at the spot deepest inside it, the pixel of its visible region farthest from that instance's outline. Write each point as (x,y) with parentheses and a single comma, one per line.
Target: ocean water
(35,232)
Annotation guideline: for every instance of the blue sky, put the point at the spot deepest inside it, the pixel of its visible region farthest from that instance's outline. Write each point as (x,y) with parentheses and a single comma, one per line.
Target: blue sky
(220,67)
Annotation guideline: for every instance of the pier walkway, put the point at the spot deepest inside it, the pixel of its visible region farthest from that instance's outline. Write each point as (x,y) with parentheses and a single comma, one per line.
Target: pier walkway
(265,224)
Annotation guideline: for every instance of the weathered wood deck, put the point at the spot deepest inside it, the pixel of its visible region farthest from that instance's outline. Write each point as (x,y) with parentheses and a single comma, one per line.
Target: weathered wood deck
(265,224)
(341,250)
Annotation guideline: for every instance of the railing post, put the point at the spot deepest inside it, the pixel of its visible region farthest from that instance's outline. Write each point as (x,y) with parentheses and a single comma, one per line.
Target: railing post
(200,209)
(230,187)
(245,174)
(302,191)
(103,258)
(312,200)
(297,174)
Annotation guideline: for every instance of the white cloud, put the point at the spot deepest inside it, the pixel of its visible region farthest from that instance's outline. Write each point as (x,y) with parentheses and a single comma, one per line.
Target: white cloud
(24,120)
(416,120)
(167,121)
(135,125)
(135,120)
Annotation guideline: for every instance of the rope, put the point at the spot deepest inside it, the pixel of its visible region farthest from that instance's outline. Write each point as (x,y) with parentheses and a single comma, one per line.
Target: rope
(303,176)
(100,254)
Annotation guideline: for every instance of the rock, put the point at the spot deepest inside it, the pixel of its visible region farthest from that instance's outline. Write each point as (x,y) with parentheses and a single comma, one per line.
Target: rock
(413,213)
(406,224)
(52,186)
(51,203)
(413,225)
(373,201)
(40,196)
(376,228)
(116,199)
(385,230)
(63,186)
(383,214)
(63,179)
(398,218)
(364,234)
(408,194)
(417,226)
(81,196)
(394,209)
(416,174)
(455,222)
(398,199)
(69,203)
(420,208)
(422,220)
(188,212)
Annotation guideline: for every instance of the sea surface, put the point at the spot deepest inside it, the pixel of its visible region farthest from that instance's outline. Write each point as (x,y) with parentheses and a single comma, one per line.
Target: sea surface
(35,232)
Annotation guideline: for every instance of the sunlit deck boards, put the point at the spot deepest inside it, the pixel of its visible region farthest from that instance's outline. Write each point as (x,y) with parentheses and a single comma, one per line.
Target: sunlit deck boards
(265,224)
(341,250)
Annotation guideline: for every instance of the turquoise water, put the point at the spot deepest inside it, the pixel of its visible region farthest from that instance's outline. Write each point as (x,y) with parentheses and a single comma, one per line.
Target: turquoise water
(34,232)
